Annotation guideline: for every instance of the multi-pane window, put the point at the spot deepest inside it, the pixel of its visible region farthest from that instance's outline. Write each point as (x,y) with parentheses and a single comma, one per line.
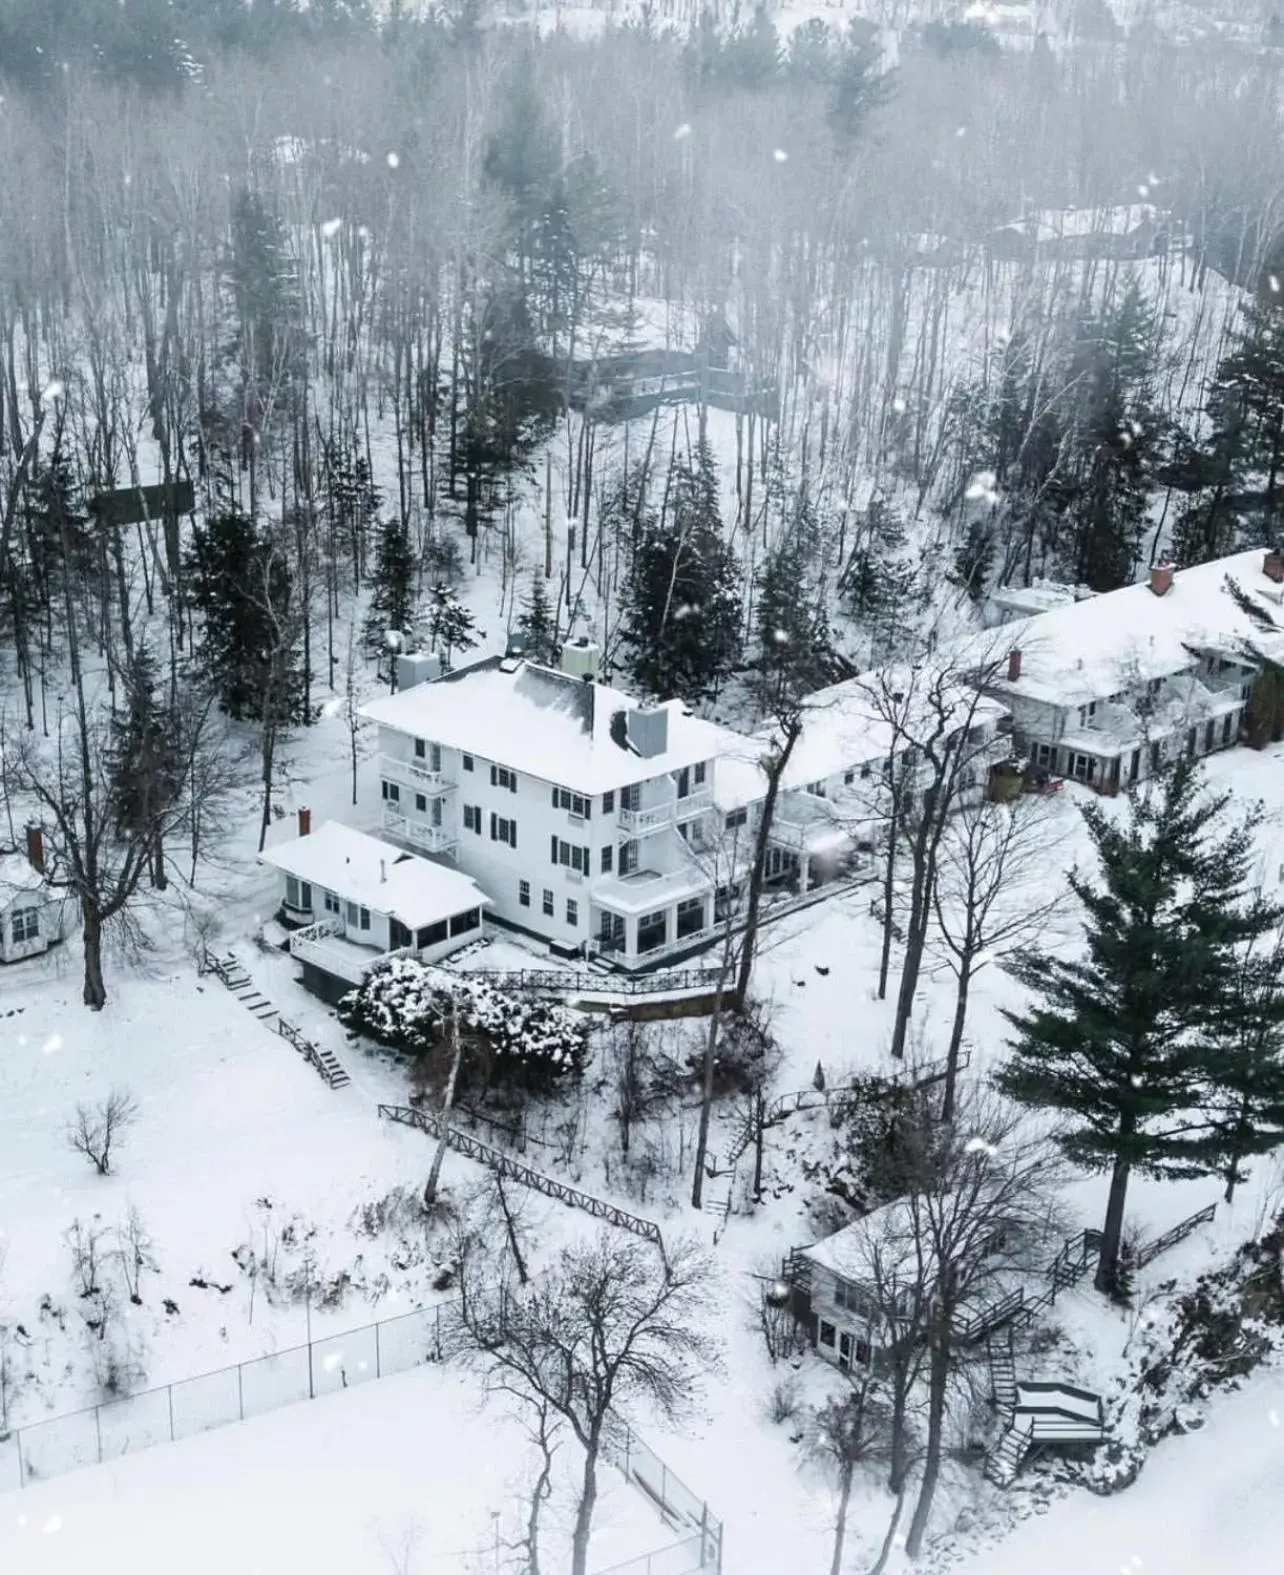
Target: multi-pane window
(463,922)
(502,830)
(736,817)
(524,893)
(631,796)
(574,803)
(358,918)
(502,777)
(421,749)
(628,857)
(608,858)
(548,903)
(472,818)
(697,773)
(332,903)
(572,912)
(468,762)
(25,925)
(391,792)
(431,934)
(608,803)
(421,802)
(570,855)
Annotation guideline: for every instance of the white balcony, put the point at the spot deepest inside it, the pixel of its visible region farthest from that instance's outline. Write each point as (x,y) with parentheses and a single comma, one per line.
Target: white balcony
(643,891)
(646,822)
(695,803)
(429,839)
(419,776)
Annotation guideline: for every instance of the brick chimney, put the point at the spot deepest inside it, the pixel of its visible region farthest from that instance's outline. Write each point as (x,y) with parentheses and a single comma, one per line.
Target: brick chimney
(1273,565)
(305,822)
(36,849)
(1161,576)
(1014,665)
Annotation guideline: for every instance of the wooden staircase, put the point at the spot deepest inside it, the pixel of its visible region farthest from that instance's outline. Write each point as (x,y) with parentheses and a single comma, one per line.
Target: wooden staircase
(238,980)
(1004,1460)
(1002,1371)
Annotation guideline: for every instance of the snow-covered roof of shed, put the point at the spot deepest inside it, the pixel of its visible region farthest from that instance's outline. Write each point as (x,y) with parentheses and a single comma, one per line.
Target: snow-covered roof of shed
(542,723)
(883,1238)
(17,878)
(1097,648)
(376,875)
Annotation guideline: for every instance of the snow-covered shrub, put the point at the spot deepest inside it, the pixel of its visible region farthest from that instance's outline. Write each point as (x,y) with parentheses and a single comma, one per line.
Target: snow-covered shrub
(1186,1346)
(509,1038)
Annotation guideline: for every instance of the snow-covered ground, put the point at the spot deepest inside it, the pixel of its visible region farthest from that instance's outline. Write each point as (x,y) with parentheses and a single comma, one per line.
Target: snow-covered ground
(408,1476)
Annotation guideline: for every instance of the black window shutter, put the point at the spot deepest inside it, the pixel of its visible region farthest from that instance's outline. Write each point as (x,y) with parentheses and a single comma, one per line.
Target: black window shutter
(553,840)
(512,781)
(587,865)
(493,776)
(554,798)
(512,833)
(588,808)
(493,831)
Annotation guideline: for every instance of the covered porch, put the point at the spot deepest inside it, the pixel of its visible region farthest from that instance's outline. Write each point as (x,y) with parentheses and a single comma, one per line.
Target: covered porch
(646,917)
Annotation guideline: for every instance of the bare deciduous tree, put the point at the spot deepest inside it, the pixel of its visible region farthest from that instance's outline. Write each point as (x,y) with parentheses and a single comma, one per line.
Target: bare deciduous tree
(96,1129)
(610,1324)
(847,1431)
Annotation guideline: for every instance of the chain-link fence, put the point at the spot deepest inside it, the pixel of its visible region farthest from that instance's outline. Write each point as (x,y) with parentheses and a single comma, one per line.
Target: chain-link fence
(196,1405)
(338,1361)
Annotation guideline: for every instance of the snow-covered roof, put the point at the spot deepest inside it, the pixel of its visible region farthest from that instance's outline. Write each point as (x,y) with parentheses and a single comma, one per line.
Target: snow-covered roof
(846,725)
(544,724)
(1103,646)
(376,875)
(1039,597)
(882,1242)
(17,878)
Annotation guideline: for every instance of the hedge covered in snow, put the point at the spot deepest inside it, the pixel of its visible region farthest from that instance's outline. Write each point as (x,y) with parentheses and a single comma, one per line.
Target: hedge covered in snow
(509,1038)
(1185,1348)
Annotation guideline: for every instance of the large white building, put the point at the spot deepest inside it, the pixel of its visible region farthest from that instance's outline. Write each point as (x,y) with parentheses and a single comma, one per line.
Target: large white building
(584,815)
(1106,691)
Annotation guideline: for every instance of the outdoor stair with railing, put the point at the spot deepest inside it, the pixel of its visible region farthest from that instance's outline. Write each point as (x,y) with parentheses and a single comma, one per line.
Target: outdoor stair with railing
(1005,1459)
(237,979)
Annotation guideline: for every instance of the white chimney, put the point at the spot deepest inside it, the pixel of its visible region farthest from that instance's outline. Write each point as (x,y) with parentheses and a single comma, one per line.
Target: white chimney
(383,872)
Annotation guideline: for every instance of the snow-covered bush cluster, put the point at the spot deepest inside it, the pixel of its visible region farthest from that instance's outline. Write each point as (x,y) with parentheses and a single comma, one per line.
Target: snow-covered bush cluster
(508,1038)
(1186,1346)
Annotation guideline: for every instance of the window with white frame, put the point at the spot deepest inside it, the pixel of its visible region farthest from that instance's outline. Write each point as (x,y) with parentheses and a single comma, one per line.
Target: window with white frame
(390,791)
(24,925)
(608,859)
(608,803)
(736,817)
(573,803)
(358,918)
(472,818)
(698,773)
(332,903)
(548,903)
(298,894)
(502,777)
(421,749)
(628,860)
(468,762)
(502,830)
(524,893)
(572,912)
(421,803)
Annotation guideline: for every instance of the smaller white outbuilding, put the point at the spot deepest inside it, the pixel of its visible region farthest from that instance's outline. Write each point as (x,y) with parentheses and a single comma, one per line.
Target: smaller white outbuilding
(351,899)
(32,914)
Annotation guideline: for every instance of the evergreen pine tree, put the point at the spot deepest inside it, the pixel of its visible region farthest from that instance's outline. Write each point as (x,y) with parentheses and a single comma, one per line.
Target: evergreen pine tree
(794,645)
(393,599)
(241,585)
(1245,1065)
(451,627)
(536,623)
(682,598)
(144,758)
(1117,1040)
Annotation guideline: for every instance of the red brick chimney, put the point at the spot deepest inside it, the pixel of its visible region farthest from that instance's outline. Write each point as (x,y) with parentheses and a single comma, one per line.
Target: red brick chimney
(1014,665)
(1161,576)
(36,849)
(305,822)
(1273,565)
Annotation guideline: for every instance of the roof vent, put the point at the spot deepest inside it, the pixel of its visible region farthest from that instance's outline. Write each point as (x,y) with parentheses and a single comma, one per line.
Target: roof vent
(1161,576)
(419,668)
(580,660)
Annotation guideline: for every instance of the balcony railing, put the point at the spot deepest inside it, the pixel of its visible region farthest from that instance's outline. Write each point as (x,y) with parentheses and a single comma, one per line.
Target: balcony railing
(643,822)
(432,839)
(694,803)
(411,771)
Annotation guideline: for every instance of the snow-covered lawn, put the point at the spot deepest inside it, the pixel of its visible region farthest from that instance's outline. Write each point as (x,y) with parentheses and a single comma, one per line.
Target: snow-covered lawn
(344,1485)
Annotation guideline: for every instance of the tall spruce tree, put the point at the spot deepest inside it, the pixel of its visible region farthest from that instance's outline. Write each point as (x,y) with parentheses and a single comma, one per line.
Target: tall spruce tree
(1244,1105)
(145,759)
(393,597)
(536,623)
(1117,1040)
(682,598)
(242,587)
(451,627)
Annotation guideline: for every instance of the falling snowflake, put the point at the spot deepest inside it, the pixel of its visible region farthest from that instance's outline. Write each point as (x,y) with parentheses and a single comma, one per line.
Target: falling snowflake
(54,1523)
(898,405)
(780,636)
(1143,190)
(961,131)
(780,155)
(332,707)
(1136,1079)
(394,161)
(684,130)
(982,487)
(686,610)
(52,1045)
(1275,1417)
(1274,282)
(333,1361)
(980,1145)
(330,229)
(53,389)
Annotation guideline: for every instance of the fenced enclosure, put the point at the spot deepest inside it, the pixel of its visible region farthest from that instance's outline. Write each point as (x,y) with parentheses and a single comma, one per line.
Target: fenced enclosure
(210,1400)
(170,1412)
